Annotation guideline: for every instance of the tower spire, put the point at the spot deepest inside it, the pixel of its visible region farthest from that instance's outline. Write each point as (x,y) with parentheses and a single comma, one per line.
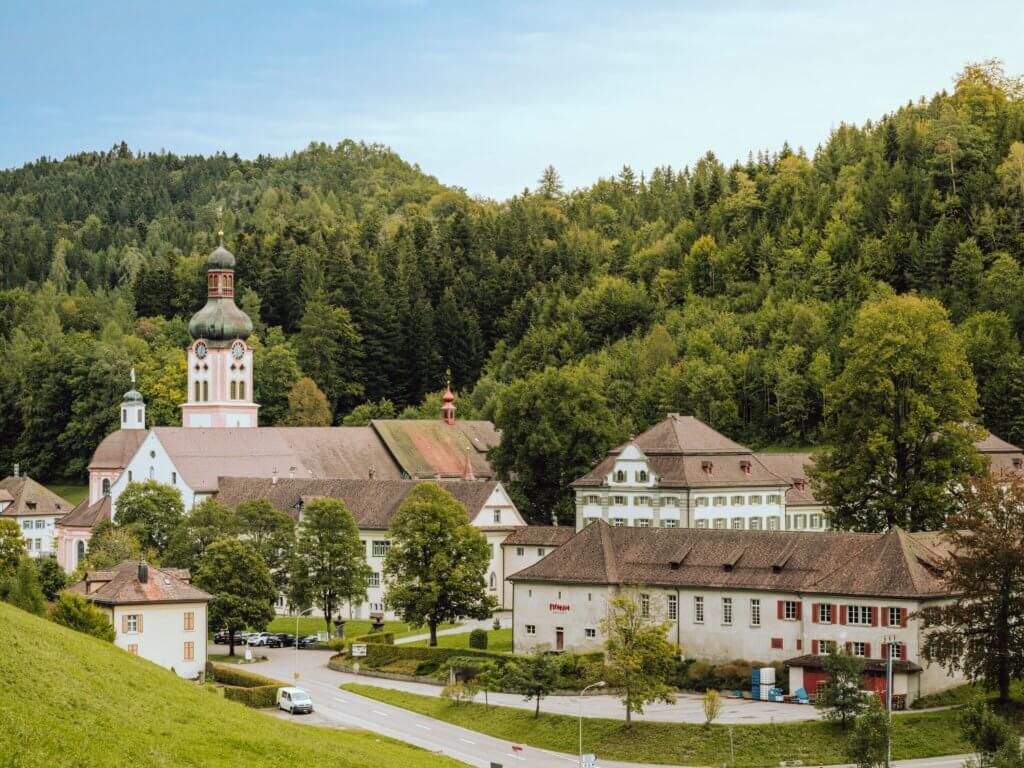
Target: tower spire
(448,401)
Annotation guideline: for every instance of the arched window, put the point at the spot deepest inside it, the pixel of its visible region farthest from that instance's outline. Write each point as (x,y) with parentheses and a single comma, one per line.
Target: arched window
(106,486)
(641,476)
(196,398)
(234,391)
(81,550)
(494,581)
(241,390)
(620,476)
(206,391)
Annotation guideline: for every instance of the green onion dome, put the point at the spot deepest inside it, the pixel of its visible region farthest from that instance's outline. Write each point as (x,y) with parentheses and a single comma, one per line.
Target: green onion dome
(221,258)
(220,320)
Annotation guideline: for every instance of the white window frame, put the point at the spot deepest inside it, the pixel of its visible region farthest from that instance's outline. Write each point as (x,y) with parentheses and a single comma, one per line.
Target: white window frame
(858,648)
(898,613)
(520,551)
(667,522)
(645,606)
(673,608)
(727,611)
(642,522)
(698,609)
(755,612)
(789,610)
(858,615)
(825,613)
(131,623)
(589,633)
(380,547)
(531,629)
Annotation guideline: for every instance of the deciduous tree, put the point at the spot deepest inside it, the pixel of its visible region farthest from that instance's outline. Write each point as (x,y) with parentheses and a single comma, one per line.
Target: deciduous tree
(52,578)
(243,592)
(22,590)
(840,698)
(207,522)
(329,566)
(12,547)
(307,405)
(900,411)
(868,746)
(272,532)
(981,632)
(437,561)
(151,508)
(534,677)
(638,656)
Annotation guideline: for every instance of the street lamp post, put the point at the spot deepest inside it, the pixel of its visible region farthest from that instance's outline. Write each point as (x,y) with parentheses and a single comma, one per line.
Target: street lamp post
(598,684)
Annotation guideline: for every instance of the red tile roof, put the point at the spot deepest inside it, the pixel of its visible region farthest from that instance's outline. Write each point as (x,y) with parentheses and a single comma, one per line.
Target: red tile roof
(87,515)
(893,564)
(117,449)
(539,536)
(31,498)
(120,585)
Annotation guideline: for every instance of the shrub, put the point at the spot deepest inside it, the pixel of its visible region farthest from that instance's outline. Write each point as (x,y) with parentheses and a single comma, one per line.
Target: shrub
(77,613)
(459,693)
(478,639)
(712,706)
(23,590)
(247,688)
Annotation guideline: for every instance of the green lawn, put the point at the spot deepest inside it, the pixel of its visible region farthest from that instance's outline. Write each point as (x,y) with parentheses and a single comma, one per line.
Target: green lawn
(310,625)
(73,493)
(962,694)
(498,640)
(815,743)
(71,701)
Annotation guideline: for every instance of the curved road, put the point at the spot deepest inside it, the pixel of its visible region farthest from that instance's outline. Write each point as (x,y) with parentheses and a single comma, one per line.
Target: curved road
(338,708)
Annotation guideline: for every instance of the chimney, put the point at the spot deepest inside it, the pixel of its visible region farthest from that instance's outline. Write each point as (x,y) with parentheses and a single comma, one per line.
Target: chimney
(372,472)
(273,477)
(291,473)
(143,572)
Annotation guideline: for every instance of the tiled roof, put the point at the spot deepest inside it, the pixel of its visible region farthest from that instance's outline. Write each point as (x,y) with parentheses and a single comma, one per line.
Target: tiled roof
(539,536)
(201,455)
(120,585)
(893,564)
(430,448)
(117,449)
(31,498)
(993,444)
(686,434)
(792,467)
(372,503)
(688,471)
(87,515)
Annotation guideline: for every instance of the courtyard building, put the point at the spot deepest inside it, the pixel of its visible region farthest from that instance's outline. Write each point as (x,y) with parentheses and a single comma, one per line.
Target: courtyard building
(769,596)
(36,510)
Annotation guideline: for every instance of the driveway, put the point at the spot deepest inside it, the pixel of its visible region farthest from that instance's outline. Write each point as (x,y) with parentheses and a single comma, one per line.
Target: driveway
(337,708)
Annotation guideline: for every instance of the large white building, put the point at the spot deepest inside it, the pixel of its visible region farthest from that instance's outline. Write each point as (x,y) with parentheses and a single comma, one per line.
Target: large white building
(374,503)
(156,613)
(36,510)
(757,595)
(681,473)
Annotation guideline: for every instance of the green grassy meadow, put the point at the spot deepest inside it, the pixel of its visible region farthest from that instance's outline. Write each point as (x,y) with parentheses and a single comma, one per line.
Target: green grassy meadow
(76,702)
(73,493)
(310,625)
(926,734)
(498,640)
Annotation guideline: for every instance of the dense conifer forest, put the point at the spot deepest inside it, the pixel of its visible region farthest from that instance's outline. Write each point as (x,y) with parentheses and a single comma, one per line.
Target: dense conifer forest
(728,292)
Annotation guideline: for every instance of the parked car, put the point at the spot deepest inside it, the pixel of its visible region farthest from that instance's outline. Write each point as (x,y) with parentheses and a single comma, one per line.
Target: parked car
(294,700)
(284,640)
(307,641)
(258,638)
(222,638)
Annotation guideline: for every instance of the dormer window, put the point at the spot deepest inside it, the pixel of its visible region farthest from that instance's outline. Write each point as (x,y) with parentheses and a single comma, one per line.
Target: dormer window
(745,466)
(799,483)
(641,476)
(707,467)
(1018,463)
(619,476)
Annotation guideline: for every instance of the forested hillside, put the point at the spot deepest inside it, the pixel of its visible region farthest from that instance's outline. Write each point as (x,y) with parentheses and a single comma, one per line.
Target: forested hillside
(719,291)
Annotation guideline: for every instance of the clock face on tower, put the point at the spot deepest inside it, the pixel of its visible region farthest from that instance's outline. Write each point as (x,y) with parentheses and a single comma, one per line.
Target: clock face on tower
(201,350)
(238,350)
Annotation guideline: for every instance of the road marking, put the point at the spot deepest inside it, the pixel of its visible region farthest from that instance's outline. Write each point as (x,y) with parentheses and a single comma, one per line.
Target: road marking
(378,712)
(466,741)
(514,757)
(560,757)
(425,728)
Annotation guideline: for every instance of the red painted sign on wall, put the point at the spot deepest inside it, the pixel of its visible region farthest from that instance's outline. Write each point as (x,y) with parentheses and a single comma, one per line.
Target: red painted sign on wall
(558,607)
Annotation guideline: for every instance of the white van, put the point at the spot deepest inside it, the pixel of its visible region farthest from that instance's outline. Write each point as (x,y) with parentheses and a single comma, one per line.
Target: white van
(294,700)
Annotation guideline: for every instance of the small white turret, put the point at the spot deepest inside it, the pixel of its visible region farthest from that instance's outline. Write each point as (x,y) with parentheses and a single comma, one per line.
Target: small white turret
(133,408)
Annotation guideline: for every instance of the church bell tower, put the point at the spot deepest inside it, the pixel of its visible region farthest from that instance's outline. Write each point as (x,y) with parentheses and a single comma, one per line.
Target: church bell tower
(220,382)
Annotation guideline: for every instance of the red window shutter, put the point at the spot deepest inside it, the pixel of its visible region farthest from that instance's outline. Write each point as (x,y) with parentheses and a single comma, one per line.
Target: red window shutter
(799,644)
(834,614)
(874,615)
(776,642)
(799,611)
(814,613)
(885,650)
(849,646)
(867,650)
(903,617)
(781,609)
(842,614)
(903,651)
(814,647)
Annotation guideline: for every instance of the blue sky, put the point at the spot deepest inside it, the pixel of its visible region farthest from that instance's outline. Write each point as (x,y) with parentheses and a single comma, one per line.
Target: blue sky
(481,94)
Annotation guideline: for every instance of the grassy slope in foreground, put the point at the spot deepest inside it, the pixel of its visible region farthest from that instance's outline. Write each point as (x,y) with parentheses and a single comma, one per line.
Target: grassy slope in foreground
(917,735)
(498,641)
(71,700)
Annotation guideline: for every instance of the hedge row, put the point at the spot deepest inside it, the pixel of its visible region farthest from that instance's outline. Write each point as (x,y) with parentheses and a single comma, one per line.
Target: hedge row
(377,655)
(247,688)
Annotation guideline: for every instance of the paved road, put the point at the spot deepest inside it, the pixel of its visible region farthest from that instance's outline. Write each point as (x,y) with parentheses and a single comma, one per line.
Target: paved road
(337,708)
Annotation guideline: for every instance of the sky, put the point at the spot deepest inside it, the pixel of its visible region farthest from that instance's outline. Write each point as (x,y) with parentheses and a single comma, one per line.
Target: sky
(482,95)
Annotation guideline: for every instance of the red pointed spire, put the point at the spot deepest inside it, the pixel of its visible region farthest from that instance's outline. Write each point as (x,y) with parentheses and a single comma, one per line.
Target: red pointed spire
(467,473)
(448,406)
